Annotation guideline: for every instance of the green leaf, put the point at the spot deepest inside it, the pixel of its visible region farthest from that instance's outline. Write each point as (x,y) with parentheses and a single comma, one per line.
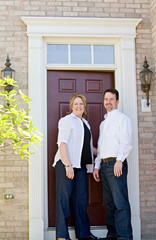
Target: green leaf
(16,129)
(25,145)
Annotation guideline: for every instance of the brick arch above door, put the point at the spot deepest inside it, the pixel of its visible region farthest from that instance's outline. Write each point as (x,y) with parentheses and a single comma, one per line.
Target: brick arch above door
(43,30)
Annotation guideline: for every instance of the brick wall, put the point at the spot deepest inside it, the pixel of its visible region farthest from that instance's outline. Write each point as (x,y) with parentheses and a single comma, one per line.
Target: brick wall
(153,21)
(13,40)
(148,156)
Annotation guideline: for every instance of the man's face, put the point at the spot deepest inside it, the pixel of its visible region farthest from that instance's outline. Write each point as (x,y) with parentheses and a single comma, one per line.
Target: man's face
(110,102)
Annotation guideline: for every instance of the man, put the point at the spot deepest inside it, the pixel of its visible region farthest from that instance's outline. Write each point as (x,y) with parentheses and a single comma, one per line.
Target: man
(114,145)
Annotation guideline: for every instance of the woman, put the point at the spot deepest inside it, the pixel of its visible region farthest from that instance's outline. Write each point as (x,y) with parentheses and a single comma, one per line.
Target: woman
(72,161)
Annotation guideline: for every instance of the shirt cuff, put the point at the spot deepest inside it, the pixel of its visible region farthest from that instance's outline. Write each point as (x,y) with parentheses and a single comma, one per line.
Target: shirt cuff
(97,163)
(120,157)
(61,141)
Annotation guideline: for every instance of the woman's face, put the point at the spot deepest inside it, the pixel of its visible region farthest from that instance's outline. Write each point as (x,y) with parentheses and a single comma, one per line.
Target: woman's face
(78,107)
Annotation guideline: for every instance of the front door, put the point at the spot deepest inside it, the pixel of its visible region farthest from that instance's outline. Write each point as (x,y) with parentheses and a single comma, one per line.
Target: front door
(60,87)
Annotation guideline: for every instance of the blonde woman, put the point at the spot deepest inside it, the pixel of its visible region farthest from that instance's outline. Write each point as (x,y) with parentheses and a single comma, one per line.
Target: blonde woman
(73,160)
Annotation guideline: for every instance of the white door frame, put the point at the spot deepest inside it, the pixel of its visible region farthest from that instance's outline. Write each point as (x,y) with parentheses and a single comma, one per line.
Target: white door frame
(42,30)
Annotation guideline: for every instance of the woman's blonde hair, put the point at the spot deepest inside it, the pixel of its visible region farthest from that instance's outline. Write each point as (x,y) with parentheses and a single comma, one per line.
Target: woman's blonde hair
(73,97)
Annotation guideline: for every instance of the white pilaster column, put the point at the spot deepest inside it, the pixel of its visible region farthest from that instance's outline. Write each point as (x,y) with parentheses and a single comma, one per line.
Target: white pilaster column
(129,106)
(36,196)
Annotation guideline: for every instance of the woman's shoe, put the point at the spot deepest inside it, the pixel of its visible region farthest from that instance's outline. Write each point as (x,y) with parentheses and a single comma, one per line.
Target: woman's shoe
(92,237)
(64,238)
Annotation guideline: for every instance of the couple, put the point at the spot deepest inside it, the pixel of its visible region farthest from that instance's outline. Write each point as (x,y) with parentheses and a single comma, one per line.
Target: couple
(74,159)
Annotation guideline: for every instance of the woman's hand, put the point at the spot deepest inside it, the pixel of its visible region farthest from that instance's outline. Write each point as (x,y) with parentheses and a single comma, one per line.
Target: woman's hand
(69,171)
(66,161)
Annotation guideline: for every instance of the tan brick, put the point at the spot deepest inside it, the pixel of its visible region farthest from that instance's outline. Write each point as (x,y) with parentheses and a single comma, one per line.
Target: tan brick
(111,1)
(14,169)
(141,1)
(62,9)
(96,9)
(111,10)
(72,4)
(7,3)
(80,9)
(2,224)
(121,15)
(2,235)
(86,14)
(99,14)
(102,5)
(142,10)
(2,180)
(134,6)
(87,4)
(71,14)
(14,40)
(14,235)
(127,10)
(38,3)
(117,5)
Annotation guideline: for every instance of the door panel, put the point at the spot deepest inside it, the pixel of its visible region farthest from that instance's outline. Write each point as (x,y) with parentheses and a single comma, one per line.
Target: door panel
(60,87)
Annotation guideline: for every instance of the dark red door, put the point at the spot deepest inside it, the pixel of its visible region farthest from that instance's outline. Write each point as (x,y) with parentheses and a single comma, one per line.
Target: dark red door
(61,85)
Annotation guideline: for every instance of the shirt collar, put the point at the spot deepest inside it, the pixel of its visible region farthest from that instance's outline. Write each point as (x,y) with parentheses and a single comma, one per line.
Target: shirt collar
(73,115)
(113,112)
(83,119)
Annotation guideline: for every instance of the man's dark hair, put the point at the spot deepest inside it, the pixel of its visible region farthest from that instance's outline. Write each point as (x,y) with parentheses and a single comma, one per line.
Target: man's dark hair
(113,91)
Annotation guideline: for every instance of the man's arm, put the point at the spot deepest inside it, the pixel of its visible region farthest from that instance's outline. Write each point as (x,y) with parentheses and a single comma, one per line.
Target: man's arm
(125,145)
(97,159)
(96,175)
(118,168)
(125,139)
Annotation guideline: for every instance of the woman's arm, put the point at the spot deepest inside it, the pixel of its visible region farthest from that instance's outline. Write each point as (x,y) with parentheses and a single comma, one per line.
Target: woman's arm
(65,159)
(95,151)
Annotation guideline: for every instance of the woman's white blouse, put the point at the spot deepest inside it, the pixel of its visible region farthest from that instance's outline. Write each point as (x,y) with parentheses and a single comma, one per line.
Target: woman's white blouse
(71,132)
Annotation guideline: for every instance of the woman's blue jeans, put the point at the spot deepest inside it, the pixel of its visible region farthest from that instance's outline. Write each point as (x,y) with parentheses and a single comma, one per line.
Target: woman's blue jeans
(76,190)
(116,199)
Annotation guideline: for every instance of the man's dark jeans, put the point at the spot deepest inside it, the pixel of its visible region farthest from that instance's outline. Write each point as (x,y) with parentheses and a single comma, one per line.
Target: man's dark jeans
(116,199)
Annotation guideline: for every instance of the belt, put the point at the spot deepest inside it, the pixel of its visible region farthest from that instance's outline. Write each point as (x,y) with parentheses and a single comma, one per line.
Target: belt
(110,159)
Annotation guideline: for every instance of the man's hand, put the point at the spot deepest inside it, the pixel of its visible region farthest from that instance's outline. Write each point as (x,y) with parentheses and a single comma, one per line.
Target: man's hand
(118,168)
(69,172)
(96,175)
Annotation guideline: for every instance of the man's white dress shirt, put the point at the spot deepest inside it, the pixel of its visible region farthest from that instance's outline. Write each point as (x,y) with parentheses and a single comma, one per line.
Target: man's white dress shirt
(71,132)
(114,137)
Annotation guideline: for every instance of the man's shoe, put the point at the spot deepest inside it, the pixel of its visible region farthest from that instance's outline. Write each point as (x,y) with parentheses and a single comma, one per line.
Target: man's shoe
(91,237)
